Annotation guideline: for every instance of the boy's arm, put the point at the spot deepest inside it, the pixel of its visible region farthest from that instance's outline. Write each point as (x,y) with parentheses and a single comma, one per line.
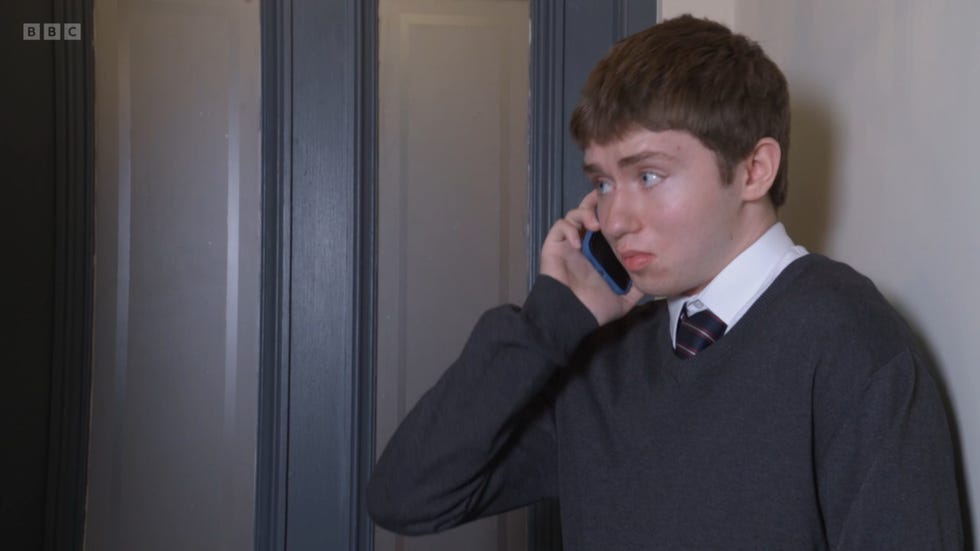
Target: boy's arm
(886,474)
(482,440)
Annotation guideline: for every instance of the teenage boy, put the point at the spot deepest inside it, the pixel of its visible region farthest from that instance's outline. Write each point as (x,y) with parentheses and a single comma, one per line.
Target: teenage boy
(772,400)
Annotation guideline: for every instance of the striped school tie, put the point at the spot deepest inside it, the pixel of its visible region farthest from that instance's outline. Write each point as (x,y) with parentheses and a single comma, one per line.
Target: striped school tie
(697,332)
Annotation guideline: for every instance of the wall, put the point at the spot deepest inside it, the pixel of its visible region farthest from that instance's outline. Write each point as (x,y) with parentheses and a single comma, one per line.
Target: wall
(175,364)
(884,167)
(722,11)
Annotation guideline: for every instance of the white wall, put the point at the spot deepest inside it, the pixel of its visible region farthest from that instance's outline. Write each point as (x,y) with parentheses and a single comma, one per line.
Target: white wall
(885,171)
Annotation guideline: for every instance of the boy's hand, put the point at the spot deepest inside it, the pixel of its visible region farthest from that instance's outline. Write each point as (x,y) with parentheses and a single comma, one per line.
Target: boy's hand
(562,259)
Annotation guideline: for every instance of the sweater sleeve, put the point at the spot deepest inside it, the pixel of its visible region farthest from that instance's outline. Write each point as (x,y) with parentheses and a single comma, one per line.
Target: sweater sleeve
(886,476)
(482,440)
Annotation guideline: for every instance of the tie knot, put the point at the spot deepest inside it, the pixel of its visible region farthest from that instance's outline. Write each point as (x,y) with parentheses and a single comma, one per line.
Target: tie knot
(696,332)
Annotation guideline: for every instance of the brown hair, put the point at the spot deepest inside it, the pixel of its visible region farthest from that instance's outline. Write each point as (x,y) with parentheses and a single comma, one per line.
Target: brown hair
(694,75)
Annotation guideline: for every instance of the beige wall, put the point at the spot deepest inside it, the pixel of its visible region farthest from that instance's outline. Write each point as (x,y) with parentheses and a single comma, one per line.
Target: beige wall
(176,322)
(885,171)
(722,11)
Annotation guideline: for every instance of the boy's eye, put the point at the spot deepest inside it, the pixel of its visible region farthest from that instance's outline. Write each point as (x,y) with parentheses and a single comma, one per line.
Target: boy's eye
(604,186)
(650,178)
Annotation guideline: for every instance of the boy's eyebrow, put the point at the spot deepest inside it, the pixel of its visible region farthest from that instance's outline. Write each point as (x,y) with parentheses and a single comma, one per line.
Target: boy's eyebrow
(630,160)
(643,156)
(591,169)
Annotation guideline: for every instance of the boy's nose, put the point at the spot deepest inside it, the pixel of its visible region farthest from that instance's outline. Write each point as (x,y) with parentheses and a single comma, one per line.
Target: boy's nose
(619,217)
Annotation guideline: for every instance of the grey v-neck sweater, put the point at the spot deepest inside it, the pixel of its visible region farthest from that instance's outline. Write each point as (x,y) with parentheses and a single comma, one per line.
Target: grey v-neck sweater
(813,424)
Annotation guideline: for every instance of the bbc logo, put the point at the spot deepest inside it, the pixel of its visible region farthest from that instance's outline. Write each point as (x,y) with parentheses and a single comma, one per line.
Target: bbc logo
(52,31)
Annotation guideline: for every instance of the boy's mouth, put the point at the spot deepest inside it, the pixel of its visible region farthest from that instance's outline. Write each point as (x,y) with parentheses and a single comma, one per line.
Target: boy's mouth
(635,260)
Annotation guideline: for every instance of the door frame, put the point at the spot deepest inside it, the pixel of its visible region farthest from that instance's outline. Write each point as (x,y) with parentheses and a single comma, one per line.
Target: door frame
(73,268)
(316,387)
(319,243)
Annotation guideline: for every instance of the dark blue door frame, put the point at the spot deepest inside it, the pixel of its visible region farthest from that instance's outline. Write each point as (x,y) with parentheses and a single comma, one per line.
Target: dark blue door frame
(319,154)
(315,439)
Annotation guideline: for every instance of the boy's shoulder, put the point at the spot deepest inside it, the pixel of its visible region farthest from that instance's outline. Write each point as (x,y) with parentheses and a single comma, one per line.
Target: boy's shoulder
(836,305)
(821,287)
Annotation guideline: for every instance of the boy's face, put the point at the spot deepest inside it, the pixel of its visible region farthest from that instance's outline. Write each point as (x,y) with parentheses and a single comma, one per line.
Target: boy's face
(665,210)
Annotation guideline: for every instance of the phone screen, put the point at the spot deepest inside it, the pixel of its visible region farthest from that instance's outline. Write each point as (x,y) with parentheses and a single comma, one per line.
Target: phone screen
(600,254)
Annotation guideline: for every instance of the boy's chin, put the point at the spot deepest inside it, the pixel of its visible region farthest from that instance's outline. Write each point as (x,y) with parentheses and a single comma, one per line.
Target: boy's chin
(659,289)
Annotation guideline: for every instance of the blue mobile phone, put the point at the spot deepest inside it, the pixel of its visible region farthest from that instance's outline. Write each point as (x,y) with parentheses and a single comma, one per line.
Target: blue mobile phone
(600,254)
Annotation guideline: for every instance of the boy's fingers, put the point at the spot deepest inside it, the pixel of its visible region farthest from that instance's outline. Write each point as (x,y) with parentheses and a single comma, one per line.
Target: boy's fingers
(563,230)
(592,221)
(590,201)
(583,219)
(585,213)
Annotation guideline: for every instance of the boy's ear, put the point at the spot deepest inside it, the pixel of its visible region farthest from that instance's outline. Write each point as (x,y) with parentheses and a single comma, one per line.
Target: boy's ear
(762,165)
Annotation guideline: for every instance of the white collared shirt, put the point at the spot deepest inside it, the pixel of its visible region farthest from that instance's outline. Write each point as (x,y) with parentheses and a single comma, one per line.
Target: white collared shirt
(736,288)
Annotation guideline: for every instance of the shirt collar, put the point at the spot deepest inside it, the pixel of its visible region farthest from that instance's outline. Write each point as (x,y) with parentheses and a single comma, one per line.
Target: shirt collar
(728,293)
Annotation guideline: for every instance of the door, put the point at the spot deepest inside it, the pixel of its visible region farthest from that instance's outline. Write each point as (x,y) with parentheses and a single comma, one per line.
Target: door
(452,224)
